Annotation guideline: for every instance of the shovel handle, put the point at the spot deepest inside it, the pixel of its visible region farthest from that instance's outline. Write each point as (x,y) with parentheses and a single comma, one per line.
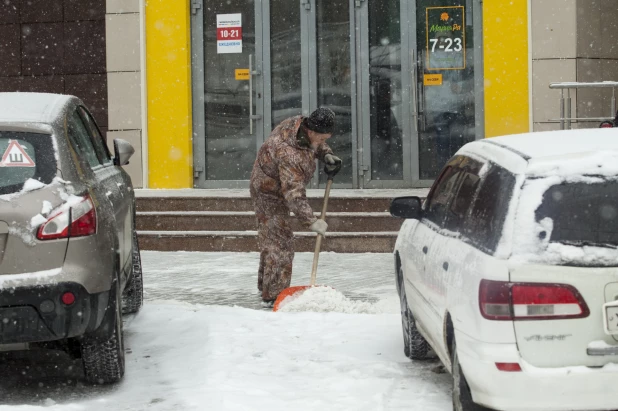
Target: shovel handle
(318,241)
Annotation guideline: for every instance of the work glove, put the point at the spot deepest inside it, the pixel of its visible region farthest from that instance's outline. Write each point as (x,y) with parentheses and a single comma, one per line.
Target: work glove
(332,164)
(320,227)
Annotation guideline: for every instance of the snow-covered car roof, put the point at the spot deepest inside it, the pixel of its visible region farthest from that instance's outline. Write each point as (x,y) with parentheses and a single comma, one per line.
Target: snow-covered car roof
(31,107)
(560,143)
(565,152)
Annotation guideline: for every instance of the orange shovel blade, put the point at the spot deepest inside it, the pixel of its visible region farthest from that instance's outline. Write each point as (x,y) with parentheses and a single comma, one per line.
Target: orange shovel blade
(287,293)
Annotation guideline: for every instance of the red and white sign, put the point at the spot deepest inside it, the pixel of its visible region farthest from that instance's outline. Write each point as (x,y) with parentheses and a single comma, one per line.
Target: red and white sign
(16,156)
(229,33)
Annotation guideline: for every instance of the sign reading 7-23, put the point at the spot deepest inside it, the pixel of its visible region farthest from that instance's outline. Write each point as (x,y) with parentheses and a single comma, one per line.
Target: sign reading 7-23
(446,38)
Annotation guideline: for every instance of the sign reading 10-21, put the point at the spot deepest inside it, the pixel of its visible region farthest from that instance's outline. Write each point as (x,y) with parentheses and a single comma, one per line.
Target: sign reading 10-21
(446,38)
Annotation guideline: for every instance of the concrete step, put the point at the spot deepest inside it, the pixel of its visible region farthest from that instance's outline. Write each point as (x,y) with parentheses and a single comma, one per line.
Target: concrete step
(238,204)
(223,220)
(246,241)
(245,220)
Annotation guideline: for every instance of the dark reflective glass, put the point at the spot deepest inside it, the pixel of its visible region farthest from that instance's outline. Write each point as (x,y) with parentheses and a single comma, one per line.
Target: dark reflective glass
(230,147)
(385,90)
(286,72)
(334,78)
(582,214)
(445,82)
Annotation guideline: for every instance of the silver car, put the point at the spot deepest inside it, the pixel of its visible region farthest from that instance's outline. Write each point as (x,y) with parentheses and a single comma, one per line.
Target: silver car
(69,258)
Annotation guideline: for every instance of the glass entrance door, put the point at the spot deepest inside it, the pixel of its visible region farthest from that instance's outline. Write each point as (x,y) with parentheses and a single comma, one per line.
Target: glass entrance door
(286,58)
(401,77)
(420,95)
(384,98)
(228,91)
(447,75)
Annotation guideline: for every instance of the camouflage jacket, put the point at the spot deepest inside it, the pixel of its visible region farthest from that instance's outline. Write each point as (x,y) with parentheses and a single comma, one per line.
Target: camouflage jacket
(285,164)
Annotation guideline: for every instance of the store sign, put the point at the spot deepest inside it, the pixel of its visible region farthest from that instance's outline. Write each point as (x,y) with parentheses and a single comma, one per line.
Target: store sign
(229,33)
(446,38)
(432,79)
(241,74)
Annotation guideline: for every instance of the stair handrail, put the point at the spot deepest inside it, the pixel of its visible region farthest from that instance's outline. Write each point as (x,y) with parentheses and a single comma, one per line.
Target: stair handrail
(565,102)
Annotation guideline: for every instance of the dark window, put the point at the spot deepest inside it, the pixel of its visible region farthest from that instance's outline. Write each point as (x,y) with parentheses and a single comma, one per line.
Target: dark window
(25,156)
(461,202)
(80,139)
(483,227)
(467,187)
(97,138)
(441,192)
(582,214)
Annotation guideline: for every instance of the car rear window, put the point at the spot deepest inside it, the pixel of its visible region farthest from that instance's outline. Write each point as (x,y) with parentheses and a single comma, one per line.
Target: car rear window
(25,156)
(582,213)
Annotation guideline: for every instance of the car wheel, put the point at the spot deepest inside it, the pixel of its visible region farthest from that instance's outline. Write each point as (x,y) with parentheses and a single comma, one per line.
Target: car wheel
(133,296)
(462,397)
(103,360)
(415,346)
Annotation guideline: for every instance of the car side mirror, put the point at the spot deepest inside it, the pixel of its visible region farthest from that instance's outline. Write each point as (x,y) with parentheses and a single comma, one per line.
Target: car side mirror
(407,207)
(123,150)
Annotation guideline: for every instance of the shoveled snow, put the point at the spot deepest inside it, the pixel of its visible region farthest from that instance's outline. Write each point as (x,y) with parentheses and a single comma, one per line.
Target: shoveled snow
(193,357)
(184,355)
(324,299)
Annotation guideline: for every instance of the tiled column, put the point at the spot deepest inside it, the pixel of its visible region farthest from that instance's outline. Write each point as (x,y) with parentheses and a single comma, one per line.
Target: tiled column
(572,40)
(124,80)
(597,54)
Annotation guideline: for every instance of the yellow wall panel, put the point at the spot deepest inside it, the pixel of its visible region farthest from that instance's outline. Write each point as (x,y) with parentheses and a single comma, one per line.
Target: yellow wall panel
(506,57)
(168,62)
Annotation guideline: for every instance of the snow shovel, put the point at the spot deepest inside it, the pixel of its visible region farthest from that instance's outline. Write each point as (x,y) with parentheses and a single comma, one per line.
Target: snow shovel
(297,290)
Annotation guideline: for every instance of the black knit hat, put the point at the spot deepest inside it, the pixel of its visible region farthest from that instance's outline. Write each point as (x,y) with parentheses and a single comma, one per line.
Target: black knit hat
(322,121)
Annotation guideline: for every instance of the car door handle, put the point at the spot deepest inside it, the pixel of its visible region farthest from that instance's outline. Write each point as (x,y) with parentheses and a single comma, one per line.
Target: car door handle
(425,249)
(445,266)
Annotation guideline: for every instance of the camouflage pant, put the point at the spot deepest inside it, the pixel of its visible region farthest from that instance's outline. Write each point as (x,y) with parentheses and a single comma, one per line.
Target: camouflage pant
(276,243)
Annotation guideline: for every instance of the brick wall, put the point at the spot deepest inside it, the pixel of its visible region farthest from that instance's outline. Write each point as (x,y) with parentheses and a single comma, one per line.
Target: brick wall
(56,46)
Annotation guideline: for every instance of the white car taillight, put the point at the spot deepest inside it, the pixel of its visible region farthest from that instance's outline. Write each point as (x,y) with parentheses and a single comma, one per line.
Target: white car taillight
(77,221)
(504,301)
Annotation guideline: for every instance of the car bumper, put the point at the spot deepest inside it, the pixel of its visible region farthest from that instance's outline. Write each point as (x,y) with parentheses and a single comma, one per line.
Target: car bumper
(37,314)
(569,388)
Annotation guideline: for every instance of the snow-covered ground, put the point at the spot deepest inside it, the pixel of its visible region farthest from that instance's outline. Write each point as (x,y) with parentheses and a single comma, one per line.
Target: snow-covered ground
(204,342)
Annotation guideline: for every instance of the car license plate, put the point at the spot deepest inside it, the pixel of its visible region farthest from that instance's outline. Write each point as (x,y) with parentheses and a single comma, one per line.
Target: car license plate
(610,315)
(20,324)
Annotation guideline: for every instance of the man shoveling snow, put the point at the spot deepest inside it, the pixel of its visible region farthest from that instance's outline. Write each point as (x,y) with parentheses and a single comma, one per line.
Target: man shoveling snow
(285,164)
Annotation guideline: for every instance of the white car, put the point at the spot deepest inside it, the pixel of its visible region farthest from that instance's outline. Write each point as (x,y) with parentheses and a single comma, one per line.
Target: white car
(509,272)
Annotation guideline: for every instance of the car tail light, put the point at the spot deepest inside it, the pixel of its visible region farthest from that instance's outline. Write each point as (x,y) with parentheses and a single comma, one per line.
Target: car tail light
(76,221)
(508,366)
(68,298)
(502,301)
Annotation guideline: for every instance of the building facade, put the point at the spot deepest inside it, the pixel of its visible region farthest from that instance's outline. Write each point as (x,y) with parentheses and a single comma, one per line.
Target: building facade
(197,85)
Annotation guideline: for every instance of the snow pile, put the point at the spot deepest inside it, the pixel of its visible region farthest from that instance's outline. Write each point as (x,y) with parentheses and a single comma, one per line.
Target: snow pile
(326,299)
(184,357)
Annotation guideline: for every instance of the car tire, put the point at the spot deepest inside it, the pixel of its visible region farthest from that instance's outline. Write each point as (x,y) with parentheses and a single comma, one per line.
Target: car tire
(103,360)
(133,296)
(415,347)
(462,397)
